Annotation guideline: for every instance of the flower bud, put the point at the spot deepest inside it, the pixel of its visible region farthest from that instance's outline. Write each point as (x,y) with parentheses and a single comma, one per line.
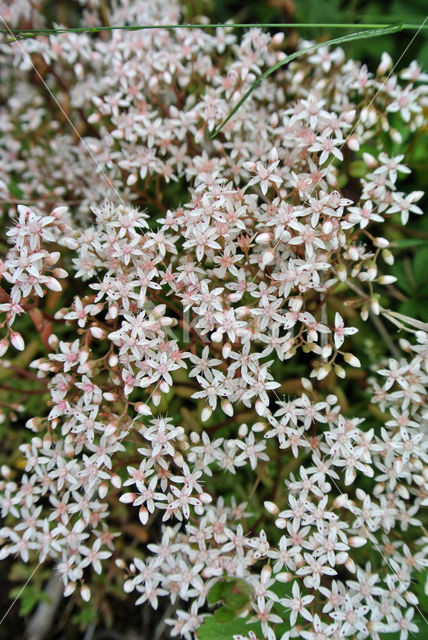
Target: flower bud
(85,592)
(271,507)
(115,480)
(268,257)
(264,238)
(127,498)
(98,333)
(374,306)
(53,284)
(352,360)
(113,360)
(143,409)
(381,243)
(284,576)
(370,160)
(350,565)
(17,341)
(227,407)
(341,557)
(69,589)
(353,143)
(227,348)
(243,430)
(386,279)
(265,573)
(258,427)
(143,514)
(261,408)
(327,227)
(4,345)
(357,541)
(59,273)
(206,414)
(102,490)
(364,312)
(388,256)
(339,371)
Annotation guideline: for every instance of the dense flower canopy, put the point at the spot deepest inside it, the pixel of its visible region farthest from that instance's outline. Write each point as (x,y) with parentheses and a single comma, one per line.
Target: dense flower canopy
(209,295)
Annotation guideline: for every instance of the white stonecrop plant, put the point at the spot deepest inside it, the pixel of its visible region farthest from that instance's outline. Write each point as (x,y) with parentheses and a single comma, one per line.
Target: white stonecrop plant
(215,293)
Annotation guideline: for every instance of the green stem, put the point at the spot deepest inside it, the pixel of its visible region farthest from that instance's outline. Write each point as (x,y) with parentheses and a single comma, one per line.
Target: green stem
(32,33)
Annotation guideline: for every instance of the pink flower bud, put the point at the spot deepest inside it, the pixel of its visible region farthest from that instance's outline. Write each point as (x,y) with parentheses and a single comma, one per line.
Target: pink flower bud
(143,515)
(268,257)
(4,345)
(264,238)
(69,589)
(381,243)
(243,430)
(17,341)
(206,414)
(53,284)
(284,577)
(98,333)
(271,507)
(143,409)
(357,541)
(115,480)
(127,498)
(227,407)
(85,593)
(352,360)
(102,490)
(353,143)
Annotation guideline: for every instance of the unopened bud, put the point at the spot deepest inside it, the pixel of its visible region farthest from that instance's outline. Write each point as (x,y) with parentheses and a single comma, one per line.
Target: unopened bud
(264,238)
(85,592)
(352,360)
(353,143)
(381,243)
(102,490)
(143,409)
(4,345)
(271,507)
(243,430)
(227,407)
(17,341)
(143,514)
(357,541)
(350,565)
(386,279)
(206,414)
(127,498)
(115,480)
(268,257)
(98,333)
(370,160)
(69,589)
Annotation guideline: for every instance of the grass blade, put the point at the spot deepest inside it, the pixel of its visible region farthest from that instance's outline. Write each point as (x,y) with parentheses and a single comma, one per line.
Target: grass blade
(297,54)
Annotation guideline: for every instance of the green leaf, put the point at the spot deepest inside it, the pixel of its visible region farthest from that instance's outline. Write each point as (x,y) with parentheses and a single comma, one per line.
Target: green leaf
(211,629)
(420,266)
(297,54)
(405,243)
(224,614)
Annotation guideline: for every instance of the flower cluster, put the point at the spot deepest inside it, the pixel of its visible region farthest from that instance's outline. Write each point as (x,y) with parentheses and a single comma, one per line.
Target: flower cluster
(200,269)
